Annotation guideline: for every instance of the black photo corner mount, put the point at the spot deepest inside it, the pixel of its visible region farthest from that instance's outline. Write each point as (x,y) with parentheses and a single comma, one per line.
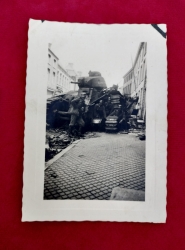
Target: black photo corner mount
(155,26)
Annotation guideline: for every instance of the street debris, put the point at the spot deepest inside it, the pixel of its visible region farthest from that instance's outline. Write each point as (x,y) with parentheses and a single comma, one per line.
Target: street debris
(142,136)
(88,112)
(90,172)
(54,175)
(139,133)
(56,141)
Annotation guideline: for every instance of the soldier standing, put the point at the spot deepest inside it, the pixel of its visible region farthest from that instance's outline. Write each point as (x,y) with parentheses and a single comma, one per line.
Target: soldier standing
(99,110)
(108,107)
(76,114)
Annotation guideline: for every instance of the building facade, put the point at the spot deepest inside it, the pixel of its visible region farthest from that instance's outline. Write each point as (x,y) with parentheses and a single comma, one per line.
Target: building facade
(74,75)
(128,82)
(136,78)
(59,81)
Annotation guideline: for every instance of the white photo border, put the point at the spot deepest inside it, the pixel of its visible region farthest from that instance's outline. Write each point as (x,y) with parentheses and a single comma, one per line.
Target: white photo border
(35,208)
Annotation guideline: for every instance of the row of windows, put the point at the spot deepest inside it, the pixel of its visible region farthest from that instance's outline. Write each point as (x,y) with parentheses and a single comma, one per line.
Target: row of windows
(50,60)
(141,56)
(136,80)
(140,76)
(127,89)
(58,74)
(138,63)
(141,73)
(59,80)
(128,77)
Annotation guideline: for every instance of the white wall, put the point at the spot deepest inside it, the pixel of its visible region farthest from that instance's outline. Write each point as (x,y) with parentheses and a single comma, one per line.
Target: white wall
(58,79)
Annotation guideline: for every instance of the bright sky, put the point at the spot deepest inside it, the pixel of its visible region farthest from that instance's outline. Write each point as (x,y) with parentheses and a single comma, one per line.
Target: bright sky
(109,49)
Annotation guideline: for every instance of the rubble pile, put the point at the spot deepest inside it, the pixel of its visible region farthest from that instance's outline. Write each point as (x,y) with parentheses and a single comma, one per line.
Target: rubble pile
(94,107)
(58,139)
(140,133)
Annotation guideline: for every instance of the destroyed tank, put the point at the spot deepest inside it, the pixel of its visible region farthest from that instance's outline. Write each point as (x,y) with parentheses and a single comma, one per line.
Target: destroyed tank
(119,118)
(95,88)
(92,85)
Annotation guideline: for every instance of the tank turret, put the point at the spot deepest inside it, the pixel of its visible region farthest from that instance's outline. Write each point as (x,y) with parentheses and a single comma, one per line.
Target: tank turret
(94,80)
(92,85)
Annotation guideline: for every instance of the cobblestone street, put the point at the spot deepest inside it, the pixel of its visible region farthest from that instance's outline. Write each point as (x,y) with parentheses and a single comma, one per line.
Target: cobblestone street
(94,166)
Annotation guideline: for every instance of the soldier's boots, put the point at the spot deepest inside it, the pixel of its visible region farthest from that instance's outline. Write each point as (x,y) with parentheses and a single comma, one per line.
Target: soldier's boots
(80,135)
(70,131)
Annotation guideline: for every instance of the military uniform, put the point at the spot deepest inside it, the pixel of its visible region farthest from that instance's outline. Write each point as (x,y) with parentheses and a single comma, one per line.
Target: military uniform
(108,107)
(99,111)
(76,118)
(76,114)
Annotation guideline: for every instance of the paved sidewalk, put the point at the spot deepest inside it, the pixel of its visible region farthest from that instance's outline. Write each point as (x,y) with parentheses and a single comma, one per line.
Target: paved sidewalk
(93,167)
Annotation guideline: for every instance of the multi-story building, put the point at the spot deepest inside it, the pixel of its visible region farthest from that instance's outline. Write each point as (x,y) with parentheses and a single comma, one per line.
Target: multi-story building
(128,77)
(74,75)
(136,78)
(59,81)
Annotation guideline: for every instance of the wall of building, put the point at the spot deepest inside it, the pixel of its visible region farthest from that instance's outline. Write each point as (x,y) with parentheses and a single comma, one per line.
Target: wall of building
(140,78)
(74,75)
(136,85)
(59,81)
(64,80)
(52,72)
(127,84)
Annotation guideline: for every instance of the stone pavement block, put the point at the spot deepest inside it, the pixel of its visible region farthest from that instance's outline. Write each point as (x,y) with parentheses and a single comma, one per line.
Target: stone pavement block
(127,194)
(65,197)
(105,197)
(100,197)
(108,161)
(49,197)
(55,196)
(93,192)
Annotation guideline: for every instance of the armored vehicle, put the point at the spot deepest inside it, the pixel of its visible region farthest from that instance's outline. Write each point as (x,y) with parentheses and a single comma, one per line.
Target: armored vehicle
(92,85)
(95,88)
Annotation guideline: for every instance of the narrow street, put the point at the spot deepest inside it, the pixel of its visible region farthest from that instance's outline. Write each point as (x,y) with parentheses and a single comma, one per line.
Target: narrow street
(94,166)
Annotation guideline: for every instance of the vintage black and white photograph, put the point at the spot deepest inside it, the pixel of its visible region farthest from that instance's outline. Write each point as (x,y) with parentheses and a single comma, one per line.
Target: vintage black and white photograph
(97,137)
(95,119)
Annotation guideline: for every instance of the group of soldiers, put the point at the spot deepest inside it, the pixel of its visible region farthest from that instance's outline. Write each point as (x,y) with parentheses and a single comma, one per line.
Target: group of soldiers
(82,115)
(107,111)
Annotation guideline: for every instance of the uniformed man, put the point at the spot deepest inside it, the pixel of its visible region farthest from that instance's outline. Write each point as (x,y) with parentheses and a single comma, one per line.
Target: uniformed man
(76,114)
(117,111)
(108,106)
(99,110)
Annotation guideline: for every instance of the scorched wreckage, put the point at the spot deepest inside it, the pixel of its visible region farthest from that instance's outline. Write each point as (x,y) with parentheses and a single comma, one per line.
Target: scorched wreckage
(93,107)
